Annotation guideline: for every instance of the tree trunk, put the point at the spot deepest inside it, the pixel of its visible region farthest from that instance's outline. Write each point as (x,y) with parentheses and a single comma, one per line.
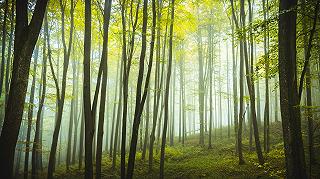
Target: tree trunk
(88,116)
(60,94)
(26,36)
(166,99)
(107,11)
(146,134)
(250,84)
(114,109)
(266,56)
(142,95)
(201,87)
(3,45)
(158,84)
(36,149)
(235,86)
(116,133)
(210,50)
(289,96)
(8,63)
(30,112)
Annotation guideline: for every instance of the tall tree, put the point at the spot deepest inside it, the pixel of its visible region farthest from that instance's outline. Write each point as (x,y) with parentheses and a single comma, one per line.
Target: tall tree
(241,90)
(142,91)
(61,93)
(106,22)
(250,84)
(8,63)
(210,46)
(126,58)
(201,85)
(88,117)
(289,92)
(166,98)
(36,142)
(158,82)
(307,73)
(26,36)
(3,44)
(30,112)
(267,103)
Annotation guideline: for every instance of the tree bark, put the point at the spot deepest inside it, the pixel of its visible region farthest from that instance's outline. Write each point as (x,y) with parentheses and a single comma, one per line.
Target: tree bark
(60,93)
(30,113)
(26,36)
(289,95)
(107,11)
(36,149)
(166,99)
(141,94)
(88,116)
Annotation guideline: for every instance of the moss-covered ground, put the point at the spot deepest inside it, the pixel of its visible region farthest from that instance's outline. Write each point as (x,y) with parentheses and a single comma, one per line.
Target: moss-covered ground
(194,161)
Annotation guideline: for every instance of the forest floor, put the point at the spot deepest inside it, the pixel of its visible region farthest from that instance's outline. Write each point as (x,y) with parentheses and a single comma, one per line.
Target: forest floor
(194,161)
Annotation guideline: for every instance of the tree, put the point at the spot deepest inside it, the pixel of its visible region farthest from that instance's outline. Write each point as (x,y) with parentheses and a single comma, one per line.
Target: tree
(266,57)
(88,117)
(166,99)
(126,58)
(307,73)
(30,112)
(250,84)
(106,21)
(26,36)
(241,111)
(36,149)
(201,86)
(60,92)
(8,62)
(3,50)
(289,94)
(210,46)
(142,91)
(158,83)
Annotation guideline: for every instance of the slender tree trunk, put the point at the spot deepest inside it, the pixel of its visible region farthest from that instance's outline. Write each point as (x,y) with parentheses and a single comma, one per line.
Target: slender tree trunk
(126,58)
(251,90)
(158,84)
(30,112)
(166,99)
(142,95)
(60,94)
(88,116)
(8,63)
(266,56)
(81,137)
(3,44)
(201,87)
(182,96)
(116,134)
(107,11)
(36,149)
(114,109)
(146,134)
(210,44)
(77,116)
(235,86)
(173,107)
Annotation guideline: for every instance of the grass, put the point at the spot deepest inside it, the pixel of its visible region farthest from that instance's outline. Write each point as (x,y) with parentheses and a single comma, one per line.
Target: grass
(194,161)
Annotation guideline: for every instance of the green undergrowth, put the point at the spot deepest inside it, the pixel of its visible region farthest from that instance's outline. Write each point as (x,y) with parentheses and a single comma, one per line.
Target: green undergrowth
(194,161)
